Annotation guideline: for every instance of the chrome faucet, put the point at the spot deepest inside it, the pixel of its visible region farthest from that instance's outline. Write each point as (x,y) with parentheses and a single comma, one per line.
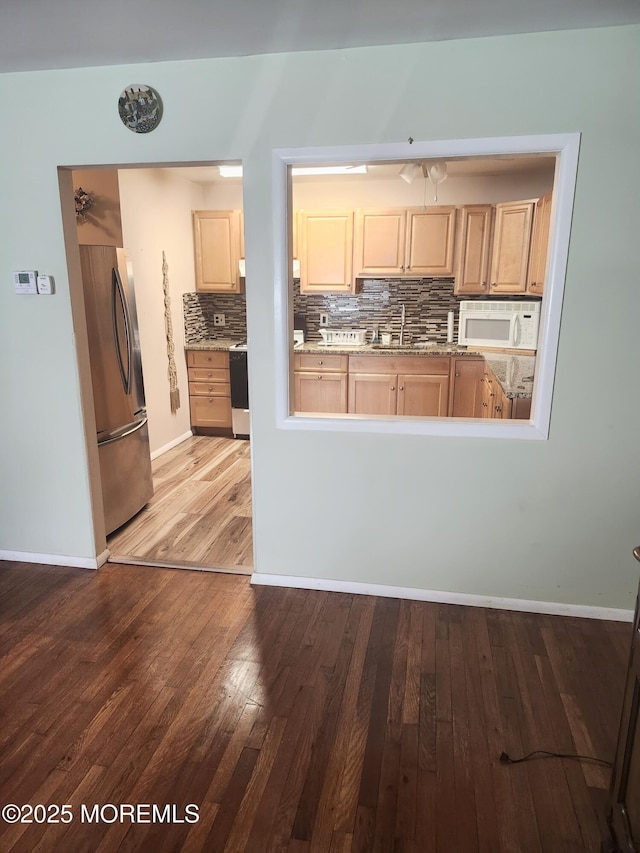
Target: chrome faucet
(402,318)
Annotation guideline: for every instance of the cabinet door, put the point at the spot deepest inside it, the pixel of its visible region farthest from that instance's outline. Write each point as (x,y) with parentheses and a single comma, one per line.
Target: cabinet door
(372,393)
(423,396)
(474,244)
(320,392)
(539,245)
(467,387)
(379,242)
(210,411)
(325,244)
(216,235)
(511,244)
(430,241)
(487,396)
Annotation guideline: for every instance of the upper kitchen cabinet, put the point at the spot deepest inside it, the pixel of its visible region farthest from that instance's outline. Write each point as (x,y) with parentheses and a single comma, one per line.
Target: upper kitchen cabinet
(217,243)
(539,245)
(325,248)
(511,244)
(397,242)
(430,241)
(474,246)
(380,242)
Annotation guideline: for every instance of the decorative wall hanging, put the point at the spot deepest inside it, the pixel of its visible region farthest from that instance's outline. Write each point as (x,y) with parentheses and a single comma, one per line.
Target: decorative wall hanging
(140,108)
(84,201)
(174,391)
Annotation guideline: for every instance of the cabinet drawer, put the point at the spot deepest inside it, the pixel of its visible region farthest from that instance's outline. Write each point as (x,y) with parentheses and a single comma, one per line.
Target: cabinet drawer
(320,362)
(210,389)
(210,411)
(207,358)
(214,374)
(425,365)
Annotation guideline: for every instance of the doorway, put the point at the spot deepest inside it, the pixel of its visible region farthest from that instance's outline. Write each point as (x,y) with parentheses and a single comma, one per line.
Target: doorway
(200,514)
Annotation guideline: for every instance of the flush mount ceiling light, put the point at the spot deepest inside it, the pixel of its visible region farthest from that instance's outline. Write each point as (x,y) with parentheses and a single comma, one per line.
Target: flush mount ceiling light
(329,170)
(236,171)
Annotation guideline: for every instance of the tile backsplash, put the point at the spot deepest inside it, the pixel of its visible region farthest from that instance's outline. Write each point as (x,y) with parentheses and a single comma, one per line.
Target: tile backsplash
(379,304)
(199,309)
(427,302)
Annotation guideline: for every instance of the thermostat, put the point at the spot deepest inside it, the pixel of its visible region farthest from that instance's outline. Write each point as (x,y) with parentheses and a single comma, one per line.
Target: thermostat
(25,281)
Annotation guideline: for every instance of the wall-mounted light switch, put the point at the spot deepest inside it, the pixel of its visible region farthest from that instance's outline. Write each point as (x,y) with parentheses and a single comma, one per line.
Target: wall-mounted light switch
(45,284)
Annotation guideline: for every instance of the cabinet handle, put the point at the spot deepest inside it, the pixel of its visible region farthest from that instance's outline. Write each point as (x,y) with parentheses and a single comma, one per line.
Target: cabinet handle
(533,284)
(401,388)
(456,374)
(393,388)
(319,376)
(493,284)
(497,409)
(320,361)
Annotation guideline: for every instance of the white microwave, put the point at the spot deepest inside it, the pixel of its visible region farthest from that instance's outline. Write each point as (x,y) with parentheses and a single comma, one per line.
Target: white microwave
(512,325)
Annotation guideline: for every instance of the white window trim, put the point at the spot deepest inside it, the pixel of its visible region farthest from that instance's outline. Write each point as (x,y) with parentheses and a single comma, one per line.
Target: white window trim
(566,147)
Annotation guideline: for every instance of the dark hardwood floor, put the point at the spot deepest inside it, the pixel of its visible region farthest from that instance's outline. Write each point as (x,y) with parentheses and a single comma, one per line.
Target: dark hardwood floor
(296,720)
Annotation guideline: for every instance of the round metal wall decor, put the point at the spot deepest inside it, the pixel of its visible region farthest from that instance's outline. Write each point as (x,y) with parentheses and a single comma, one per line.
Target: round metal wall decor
(140,108)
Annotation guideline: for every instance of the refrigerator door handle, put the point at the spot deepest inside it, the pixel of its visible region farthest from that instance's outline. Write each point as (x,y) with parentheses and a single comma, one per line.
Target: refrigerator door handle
(117,293)
(114,434)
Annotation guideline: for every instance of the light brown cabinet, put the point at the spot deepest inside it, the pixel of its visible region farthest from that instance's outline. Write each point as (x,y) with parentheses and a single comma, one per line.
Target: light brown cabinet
(466,387)
(511,246)
(320,383)
(405,242)
(379,243)
(539,245)
(218,249)
(325,248)
(473,249)
(430,241)
(399,385)
(209,389)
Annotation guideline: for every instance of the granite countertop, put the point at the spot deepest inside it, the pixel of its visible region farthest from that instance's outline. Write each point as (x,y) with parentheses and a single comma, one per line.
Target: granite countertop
(211,343)
(514,372)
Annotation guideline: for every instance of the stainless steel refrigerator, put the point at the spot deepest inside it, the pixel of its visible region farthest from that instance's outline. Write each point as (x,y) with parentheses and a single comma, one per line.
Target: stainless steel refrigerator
(118,390)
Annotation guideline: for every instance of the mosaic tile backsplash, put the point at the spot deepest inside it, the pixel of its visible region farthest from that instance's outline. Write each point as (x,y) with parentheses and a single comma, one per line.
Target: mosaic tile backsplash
(427,302)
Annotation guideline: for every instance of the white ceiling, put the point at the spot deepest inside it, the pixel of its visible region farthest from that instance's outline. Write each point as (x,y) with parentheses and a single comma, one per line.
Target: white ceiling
(48,34)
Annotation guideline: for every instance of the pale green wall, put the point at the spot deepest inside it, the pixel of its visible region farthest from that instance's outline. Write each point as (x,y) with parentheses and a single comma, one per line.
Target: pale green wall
(552,520)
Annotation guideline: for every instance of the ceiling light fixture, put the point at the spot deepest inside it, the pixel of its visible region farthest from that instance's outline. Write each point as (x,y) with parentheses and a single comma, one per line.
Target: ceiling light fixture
(236,171)
(329,170)
(410,172)
(436,171)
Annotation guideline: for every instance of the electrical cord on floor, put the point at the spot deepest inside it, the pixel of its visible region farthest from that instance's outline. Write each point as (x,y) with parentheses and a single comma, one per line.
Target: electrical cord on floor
(543,753)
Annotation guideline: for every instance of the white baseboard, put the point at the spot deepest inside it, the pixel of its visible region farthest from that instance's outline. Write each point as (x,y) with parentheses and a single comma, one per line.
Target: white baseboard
(173,443)
(56,559)
(441,597)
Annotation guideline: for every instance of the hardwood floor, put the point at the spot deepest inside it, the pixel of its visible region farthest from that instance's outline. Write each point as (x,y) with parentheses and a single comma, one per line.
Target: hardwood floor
(200,514)
(297,720)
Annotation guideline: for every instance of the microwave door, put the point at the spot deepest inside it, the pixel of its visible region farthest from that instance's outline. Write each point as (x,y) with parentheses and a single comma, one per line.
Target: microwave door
(497,330)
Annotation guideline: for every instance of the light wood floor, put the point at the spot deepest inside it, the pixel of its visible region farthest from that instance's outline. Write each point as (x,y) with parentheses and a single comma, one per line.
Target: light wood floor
(200,514)
(297,720)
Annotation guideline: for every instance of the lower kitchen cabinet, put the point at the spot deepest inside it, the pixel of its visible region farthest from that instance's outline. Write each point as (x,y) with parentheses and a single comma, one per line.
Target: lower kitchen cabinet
(209,389)
(401,385)
(320,383)
(466,387)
